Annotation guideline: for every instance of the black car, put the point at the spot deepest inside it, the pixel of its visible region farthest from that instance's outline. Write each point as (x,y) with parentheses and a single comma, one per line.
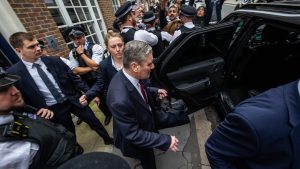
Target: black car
(255,48)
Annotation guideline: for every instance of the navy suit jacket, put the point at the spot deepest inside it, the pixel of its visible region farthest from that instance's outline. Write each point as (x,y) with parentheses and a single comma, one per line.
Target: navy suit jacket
(262,132)
(70,84)
(134,126)
(106,73)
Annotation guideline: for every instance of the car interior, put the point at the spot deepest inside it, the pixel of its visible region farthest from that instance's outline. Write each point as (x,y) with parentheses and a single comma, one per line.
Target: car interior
(270,58)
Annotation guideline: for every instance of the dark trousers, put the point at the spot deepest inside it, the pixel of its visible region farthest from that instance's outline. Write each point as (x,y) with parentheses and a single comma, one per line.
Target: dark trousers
(147,159)
(62,115)
(103,106)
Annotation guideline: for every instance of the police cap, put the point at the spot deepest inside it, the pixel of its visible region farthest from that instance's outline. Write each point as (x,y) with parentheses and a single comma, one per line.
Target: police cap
(7,79)
(124,9)
(187,10)
(148,17)
(74,32)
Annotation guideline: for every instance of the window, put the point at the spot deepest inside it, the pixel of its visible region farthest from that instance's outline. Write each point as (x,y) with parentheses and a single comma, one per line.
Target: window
(115,4)
(82,13)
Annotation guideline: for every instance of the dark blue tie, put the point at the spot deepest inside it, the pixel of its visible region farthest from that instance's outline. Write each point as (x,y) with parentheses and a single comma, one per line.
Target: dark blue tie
(58,97)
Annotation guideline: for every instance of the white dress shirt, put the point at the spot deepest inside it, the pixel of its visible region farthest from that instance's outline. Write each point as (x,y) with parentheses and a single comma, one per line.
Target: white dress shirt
(178,32)
(164,35)
(143,35)
(16,154)
(49,98)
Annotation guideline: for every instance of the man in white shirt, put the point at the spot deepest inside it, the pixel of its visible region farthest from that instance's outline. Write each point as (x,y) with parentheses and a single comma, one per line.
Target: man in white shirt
(48,82)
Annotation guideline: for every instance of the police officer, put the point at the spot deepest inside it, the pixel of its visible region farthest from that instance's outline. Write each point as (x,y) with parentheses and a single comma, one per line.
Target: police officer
(150,20)
(84,61)
(85,57)
(26,140)
(187,13)
(126,17)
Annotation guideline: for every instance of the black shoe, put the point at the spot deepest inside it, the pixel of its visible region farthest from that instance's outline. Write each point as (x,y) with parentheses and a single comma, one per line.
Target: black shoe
(79,149)
(79,121)
(109,141)
(107,120)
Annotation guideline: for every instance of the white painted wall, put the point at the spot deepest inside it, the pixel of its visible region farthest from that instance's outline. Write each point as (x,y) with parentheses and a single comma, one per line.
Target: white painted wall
(9,22)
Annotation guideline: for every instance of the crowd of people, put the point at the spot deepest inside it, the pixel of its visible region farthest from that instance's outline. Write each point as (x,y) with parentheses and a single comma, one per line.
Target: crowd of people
(120,84)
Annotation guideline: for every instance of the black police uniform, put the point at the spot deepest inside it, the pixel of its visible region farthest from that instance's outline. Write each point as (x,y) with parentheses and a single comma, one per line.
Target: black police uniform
(187,11)
(127,32)
(149,17)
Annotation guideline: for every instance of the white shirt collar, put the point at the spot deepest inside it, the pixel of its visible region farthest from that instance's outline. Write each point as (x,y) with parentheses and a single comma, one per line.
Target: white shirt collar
(114,65)
(29,64)
(151,29)
(189,25)
(134,81)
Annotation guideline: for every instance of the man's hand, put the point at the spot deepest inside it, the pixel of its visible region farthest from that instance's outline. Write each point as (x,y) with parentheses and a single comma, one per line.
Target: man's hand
(96,100)
(45,113)
(174,144)
(83,101)
(80,49)
(162,93)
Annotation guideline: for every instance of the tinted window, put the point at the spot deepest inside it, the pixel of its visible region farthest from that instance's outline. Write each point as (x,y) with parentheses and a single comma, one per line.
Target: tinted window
(199,47)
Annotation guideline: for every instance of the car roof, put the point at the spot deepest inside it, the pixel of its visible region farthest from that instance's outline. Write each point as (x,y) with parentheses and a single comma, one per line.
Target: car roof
(286,11)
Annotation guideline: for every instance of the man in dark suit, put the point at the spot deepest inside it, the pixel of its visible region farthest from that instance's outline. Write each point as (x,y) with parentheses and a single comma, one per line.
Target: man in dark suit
(263,132)
(132,107)
(48,82)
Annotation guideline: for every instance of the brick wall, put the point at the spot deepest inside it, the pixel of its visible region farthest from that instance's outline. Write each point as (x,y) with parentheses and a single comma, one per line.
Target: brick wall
(122,1)
(107,12)
(37,19)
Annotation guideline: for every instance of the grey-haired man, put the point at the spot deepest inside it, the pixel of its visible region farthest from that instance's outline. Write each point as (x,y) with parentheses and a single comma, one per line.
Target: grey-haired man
(132,106)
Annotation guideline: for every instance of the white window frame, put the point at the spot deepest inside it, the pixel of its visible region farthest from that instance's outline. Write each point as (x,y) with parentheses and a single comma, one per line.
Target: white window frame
(115,4)
(100,33)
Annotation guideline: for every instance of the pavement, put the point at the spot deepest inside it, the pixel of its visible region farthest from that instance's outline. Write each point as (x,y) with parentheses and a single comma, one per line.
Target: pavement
(192,137)
(231,2)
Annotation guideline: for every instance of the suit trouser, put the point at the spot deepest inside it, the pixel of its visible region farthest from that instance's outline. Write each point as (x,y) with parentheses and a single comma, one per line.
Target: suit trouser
(147,159)
(62,115)
(103,105)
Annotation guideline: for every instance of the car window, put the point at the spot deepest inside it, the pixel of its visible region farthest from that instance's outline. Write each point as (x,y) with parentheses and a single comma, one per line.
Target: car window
(256,39)
(201,46)
(269,58)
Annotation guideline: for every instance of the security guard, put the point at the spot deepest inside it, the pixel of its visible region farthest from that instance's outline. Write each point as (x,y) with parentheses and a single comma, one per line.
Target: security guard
(149,19)
(126,17)
(187,13)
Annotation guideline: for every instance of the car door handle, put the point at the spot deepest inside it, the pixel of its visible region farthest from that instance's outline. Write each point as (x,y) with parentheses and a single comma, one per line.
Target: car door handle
(194,87)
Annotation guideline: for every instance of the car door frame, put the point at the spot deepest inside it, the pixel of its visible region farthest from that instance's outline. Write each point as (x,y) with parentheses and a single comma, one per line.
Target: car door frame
(168,79)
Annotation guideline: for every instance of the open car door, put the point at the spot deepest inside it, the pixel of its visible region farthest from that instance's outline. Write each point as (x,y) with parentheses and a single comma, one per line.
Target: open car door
(191,68)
